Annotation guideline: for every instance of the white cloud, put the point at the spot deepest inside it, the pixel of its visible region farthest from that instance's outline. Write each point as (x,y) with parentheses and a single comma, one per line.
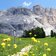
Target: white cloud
(26,4)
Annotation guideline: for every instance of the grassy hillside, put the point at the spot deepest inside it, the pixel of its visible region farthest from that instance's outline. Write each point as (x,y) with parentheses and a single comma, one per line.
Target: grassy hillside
(41,47)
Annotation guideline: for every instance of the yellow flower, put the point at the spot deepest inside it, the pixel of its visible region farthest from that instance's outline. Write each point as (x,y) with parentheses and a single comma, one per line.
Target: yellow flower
(30,33)
(35,35)
(48,49)
(3,45)
(20,39)
(4,40)
(33,54)
(45,44)
(44,55)
(15,45)
(38,41)
(25,54)
(33,39)
(8,45)
(8,39)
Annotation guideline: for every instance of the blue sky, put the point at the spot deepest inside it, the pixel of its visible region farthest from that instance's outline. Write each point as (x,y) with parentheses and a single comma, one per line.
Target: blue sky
(5,4)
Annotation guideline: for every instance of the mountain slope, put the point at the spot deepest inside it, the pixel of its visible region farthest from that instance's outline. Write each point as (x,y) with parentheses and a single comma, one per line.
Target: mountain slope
(15,20)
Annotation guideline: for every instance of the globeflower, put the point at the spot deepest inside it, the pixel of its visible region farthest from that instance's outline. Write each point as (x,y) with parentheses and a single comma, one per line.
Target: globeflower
(45,44)
(44,55)
(15,45)
(20,39)
(3,45)
(4,40)
(8,45)
(38,41)
(30,33)
(48,49)
(35,35)
(8,39)
(25,54)
(34,40)
(31,52)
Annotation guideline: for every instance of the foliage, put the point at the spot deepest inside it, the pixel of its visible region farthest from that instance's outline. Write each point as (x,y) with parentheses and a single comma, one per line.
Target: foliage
(37,33)
(53,34)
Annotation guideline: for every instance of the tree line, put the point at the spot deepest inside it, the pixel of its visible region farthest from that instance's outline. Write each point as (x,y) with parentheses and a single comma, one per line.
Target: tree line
(37,33)
(53,34)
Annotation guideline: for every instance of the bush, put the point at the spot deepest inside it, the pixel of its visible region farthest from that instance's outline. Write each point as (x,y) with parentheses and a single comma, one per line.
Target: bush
(37,33)
(53,34)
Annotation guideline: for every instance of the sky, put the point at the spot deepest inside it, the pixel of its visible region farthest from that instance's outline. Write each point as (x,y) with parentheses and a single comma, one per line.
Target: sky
(6,4)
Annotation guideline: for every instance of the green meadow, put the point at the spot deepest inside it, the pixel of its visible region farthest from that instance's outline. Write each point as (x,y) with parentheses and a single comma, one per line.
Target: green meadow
(38,49)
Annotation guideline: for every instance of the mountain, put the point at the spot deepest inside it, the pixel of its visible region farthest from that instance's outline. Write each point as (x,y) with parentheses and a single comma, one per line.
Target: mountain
(15,20)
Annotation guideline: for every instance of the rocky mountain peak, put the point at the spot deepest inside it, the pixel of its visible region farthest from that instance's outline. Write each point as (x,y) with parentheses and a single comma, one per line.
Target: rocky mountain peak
(38,10)
(16,11)
(20,19)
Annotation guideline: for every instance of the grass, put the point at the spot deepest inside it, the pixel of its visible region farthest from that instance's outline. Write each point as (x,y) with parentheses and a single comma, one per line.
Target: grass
(38,49)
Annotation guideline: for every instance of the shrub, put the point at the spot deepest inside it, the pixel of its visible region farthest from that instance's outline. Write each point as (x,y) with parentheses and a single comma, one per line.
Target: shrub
(52,33)
(37,33)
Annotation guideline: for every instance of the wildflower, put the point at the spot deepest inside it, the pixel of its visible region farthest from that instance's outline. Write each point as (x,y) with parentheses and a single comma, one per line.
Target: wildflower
(8,45)
(45,44)
(44,55)
(30,33)
(25,54)
(4,40)
(33,54)
(15,45)
(34,40)
(35,35)
(3,45)
(8,39)
(38,41)
(20,39)
(48,49)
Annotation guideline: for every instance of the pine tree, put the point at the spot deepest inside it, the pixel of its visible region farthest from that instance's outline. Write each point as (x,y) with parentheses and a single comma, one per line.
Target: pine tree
(52,33)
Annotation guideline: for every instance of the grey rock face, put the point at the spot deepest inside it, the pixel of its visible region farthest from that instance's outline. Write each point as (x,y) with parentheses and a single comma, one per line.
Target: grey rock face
(16,11)
(38,10)
(15,20)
